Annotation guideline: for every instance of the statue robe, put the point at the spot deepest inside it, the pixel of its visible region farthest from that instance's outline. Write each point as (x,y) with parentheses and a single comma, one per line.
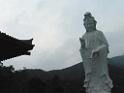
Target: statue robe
(97,79)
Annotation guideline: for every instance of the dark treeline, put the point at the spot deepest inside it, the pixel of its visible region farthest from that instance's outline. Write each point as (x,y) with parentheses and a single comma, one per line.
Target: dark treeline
(38,81)
(12,81)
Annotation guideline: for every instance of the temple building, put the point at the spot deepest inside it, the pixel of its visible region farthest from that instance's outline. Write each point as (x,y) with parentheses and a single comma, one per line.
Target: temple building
(12,47)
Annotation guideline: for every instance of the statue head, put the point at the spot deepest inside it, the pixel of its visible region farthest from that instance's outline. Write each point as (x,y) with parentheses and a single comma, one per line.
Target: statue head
(89,22)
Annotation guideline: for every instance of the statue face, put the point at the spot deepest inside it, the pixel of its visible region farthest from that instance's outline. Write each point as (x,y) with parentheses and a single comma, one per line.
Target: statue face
(89,25)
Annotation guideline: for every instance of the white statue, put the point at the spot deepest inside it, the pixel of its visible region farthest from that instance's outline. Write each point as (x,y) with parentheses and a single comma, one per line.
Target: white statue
(94,50)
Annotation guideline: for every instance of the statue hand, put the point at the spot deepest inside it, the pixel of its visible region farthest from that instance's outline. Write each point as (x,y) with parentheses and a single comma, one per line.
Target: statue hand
(95,53)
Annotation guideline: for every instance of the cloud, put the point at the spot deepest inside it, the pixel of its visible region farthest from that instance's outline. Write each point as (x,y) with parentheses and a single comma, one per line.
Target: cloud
(56,26)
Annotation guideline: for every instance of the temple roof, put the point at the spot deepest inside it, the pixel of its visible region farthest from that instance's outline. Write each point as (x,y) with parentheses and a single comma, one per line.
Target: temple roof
(12,47)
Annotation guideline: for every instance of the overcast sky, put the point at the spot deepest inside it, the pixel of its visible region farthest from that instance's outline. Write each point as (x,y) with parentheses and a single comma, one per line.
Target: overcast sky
(56,26)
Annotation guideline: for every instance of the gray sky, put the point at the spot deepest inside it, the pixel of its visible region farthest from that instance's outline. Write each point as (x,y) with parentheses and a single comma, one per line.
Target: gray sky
(56,26)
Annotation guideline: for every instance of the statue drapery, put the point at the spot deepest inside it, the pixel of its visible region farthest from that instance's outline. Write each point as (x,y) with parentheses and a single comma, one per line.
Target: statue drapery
(94,50)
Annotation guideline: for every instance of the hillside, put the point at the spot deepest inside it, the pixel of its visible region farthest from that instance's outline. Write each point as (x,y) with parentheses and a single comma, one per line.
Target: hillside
(117,61)
(68,80)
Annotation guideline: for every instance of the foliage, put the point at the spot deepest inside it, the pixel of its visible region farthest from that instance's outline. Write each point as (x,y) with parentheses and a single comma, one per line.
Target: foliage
(21,81)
